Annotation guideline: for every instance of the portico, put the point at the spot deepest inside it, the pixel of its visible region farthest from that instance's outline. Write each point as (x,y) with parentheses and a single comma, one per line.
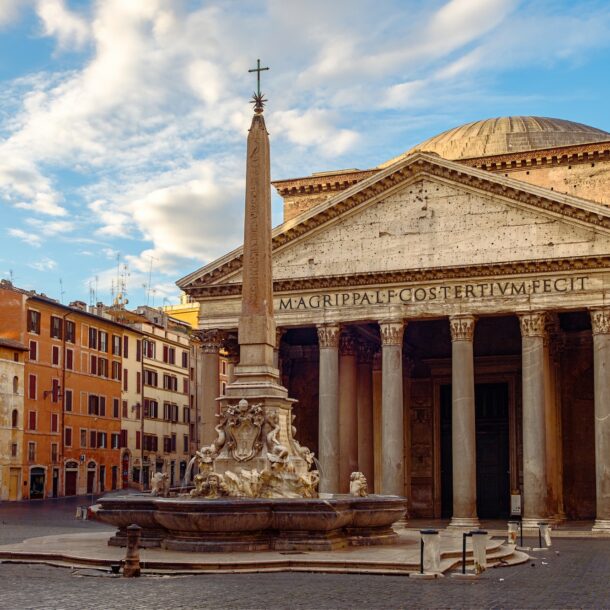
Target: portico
(445,331)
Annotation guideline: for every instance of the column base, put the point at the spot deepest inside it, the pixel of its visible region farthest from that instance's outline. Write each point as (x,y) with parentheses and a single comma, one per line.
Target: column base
(601,525)
(463,523)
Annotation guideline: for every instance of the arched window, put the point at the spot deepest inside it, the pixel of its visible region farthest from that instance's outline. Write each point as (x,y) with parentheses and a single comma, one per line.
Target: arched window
(15,384)
(15,418)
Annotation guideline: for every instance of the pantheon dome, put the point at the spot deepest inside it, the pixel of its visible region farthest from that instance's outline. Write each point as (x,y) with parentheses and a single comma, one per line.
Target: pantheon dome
(506,135)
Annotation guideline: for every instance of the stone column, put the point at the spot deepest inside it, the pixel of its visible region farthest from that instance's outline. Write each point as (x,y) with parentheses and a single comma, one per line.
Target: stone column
(535,479)
(600,321)
(392,424)
(328,415)
(364,402)
(377,393)
(348,413)
(463,425)
(211,342)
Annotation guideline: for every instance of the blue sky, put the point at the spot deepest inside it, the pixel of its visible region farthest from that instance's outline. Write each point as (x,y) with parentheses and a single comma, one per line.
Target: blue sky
(123,122)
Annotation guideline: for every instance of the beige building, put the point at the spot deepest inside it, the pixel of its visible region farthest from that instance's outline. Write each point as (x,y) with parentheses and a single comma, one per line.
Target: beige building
(444,321)
(156,396)
(12,417)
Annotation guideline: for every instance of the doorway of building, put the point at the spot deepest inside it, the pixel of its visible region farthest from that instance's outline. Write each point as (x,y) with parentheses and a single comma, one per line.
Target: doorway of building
(37,483)
(71,478)
(55,482)
(114,477)
(125,471)
(90,477)
(493,479)
(13,484)
(102,479)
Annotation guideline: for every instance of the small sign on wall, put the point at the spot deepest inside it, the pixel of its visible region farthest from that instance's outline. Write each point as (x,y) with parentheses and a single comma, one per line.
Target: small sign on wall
(515,504)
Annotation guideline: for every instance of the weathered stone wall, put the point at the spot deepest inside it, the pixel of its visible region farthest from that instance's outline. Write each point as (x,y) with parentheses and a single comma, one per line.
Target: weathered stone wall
(587,180)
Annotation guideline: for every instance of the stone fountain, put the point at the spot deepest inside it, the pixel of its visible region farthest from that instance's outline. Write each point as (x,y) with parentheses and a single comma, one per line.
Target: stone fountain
(255,487)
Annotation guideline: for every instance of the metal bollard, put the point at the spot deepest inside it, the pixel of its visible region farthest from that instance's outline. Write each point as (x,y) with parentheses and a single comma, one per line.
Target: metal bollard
(131,567)
(430,552)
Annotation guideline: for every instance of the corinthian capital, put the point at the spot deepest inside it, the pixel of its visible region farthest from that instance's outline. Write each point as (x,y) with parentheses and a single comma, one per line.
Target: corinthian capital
(211,341)
(462,327)
(328,335)
(347,344)
(600,321)
(392,332)
(533,324)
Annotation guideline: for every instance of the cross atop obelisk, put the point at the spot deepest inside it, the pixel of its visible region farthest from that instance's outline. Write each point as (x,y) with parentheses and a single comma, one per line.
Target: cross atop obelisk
(258,98)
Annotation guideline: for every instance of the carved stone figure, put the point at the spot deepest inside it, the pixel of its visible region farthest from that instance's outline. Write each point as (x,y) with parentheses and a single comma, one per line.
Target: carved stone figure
(159,484)
(358,485)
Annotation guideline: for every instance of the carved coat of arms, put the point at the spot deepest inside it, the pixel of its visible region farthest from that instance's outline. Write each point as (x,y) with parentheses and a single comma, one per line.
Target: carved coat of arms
(244,426)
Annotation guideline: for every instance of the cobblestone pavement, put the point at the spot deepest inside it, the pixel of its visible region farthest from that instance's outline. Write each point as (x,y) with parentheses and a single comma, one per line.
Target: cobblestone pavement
(575,574)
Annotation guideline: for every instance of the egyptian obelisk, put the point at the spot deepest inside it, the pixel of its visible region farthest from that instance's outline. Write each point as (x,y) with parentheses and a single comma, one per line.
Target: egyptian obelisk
(256,377)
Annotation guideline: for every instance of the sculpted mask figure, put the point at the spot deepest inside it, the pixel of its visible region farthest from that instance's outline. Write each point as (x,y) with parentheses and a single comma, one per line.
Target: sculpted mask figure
(159,484)
(358,485)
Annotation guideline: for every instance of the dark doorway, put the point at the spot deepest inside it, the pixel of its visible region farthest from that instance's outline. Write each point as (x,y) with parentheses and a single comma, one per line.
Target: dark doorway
(71,477)
(91,477)
(125,471)
(115,476)
(493,482)
(102,479)
(55,482)
(37,483)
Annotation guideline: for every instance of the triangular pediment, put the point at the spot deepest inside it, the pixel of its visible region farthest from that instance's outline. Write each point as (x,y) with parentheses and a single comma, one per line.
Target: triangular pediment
(426,212)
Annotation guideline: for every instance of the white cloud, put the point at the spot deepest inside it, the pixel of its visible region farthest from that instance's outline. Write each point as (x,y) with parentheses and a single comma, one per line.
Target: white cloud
(71,30)
(9,10)
(44,264)
(32,239)
(48,228)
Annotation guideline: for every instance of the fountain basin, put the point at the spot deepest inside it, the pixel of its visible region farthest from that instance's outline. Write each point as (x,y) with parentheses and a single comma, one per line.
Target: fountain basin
(240,524)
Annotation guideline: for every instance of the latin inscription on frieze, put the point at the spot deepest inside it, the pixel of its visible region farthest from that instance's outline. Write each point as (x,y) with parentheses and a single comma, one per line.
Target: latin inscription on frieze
(496,289)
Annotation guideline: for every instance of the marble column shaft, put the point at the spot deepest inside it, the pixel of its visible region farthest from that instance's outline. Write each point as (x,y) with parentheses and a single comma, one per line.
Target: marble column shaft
(463,423)
(535,483)
(392,418)
(366,424)
(348,413)
(600,319)
(211,343)
(328,416)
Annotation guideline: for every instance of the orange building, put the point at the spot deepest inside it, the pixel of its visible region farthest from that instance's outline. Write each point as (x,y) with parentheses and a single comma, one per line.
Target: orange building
(72,379)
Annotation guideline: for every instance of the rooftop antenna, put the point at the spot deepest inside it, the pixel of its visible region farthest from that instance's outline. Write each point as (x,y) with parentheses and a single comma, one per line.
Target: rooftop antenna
(154,292)
(61,291)
(95,293)
(149,283)
(11,275)
(91,294)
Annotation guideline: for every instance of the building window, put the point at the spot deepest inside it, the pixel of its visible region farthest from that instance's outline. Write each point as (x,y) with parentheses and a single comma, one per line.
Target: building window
(56,327)
(32,387)
(169,354)
(102,440)
(125,412)
(149,348)
(137,439)
(31,452)
(55,390)
(68,437)
(102,367)
(102,406)
(151,408)
(115,407)
(186,415)
(125,346)
(33,321)
(103,341)
(54,422)
(185,446)
(138,350)
(55,355)
(93,338)
(15,385)
(173,445)
(15,418)
(32,420)
(123,440)
(167,444)
(224,367)
(54,453)
(185,360)
(115,440)
(185,385)
(69,359)
(138,409)
(116,345)
(92,439)
(116,371)
(13,449)
(83,437)
(151,378)
(94,404)
(223,386)
(93,365)
(138,382)
(70,328)
(33,350)
(125,382)
(68,400)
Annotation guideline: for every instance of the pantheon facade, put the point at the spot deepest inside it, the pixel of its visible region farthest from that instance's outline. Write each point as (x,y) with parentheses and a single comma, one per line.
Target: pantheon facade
(444,321)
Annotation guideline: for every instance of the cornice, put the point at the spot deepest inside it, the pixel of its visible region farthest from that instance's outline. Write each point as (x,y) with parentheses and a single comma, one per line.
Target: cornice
(377,278)
(310,185)
(380,184)
(560,155)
